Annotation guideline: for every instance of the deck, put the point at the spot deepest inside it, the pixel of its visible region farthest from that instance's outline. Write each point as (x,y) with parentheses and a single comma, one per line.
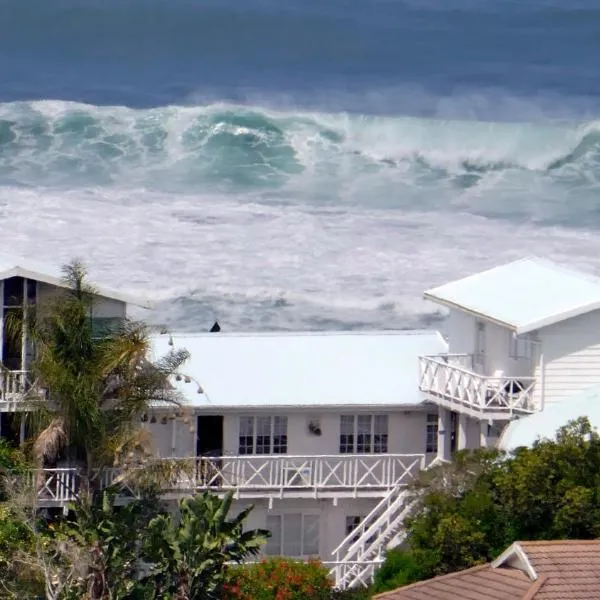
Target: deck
(447,381)
(272,477)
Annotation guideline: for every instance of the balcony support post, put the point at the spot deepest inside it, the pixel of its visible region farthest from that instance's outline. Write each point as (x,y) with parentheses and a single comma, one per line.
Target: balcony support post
(462,437)
(444,434)
(483,434)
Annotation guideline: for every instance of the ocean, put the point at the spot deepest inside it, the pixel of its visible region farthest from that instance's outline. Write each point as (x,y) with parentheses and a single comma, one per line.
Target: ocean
(294,164)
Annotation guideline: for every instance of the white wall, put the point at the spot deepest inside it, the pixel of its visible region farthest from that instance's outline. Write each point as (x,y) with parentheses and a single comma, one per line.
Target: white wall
(167,445)
(103,307)
(406,431)
(332,519)
(461,329)
(571,356)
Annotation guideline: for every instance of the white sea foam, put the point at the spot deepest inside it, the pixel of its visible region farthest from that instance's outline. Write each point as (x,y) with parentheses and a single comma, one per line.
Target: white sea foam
(256,266)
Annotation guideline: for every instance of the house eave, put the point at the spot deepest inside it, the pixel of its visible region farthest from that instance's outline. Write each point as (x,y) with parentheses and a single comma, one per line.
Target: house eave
(58,282)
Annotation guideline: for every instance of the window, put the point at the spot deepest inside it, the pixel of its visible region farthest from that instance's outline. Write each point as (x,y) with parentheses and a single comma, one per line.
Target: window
(13,291)
(431,435)
(479,358)
(279,435)
(104,326)
(262,435)
(519,346)
(363,434)
(246,437)
(293,535)
(352,522)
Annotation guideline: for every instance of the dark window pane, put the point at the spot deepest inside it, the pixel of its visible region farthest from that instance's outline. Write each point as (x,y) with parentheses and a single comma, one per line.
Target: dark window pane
(246,444)
(380,443)
(346,444)
(263,444)
(13,291)
(31,290)
(279,444)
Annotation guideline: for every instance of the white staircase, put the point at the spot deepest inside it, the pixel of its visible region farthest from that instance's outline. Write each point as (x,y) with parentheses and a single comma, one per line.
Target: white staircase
(362,551)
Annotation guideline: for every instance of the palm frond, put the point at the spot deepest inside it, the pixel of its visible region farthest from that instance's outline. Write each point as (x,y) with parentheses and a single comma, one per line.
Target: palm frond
(50,441)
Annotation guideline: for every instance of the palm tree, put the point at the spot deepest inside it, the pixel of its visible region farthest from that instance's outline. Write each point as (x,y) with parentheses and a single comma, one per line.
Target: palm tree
(188,555)
(89,390)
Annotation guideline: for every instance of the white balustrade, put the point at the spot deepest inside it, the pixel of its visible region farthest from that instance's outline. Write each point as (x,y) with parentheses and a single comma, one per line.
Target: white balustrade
(316,473)
(13,385)
(446,379)
(280,474)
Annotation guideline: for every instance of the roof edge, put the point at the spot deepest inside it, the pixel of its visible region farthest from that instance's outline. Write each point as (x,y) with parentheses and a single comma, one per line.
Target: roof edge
(429,296)
(283,333)
(516,553)
(18,271)
(559,318)
(390,594)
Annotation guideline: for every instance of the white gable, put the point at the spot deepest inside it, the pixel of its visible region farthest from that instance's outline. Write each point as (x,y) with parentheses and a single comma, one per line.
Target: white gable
(524,295)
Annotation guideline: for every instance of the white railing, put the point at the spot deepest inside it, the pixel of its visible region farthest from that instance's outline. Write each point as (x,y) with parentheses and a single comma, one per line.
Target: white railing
(280,475)
(55,487)
(362,551)
(13,385)
(446,380)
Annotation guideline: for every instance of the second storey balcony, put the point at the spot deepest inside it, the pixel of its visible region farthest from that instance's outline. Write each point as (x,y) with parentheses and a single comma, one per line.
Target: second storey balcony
(447,381)
(271,477)
(14,385)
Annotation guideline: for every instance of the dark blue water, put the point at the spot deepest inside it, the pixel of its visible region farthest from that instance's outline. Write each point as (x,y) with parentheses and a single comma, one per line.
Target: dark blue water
(145,53)
(299,164)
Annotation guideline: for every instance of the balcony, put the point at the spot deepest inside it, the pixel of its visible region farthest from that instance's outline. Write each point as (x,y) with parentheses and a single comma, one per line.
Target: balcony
(13,386)
(448,381)
(273,477)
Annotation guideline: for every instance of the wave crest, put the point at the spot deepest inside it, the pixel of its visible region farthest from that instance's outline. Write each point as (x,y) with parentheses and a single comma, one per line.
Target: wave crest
(60,143)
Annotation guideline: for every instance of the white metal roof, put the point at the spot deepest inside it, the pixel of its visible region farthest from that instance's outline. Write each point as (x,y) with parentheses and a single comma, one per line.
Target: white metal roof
(544,424)
(524,295)
(18,267)
(303,369)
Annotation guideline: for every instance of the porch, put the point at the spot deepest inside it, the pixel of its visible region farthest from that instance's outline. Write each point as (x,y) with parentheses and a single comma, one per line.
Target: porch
(274,477)
(449,381)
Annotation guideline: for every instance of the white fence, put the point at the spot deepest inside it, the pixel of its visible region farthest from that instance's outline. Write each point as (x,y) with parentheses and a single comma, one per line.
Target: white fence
(281,475)
(13,385)
(446,379)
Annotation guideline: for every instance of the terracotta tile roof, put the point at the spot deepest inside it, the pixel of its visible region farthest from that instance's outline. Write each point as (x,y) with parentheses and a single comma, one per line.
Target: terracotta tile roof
(479,583)
(572,568)
(553,570)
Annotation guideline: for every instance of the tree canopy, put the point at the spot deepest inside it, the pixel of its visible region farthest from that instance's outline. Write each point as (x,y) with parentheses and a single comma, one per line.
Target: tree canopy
(469,511)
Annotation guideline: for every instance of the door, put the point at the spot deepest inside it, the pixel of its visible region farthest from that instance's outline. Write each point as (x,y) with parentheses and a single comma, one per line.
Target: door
(479,354)
(209,449)
(209,440)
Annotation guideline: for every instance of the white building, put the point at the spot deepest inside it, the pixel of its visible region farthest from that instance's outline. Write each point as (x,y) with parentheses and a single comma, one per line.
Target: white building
(323,432)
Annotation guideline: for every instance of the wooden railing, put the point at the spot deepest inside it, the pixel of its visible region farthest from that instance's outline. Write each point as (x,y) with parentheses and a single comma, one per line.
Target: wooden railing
(13,385)
(281,475)
(446,380)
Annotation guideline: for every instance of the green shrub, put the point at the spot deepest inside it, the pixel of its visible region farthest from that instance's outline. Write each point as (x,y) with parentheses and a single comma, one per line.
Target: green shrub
(278,579)
(403,567)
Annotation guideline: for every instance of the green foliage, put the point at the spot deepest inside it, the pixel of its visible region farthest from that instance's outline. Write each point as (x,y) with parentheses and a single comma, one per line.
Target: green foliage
(471,510)
(95,387)
(108,540)
(402,567)
(278,579)
(189,555)
(16,576)
(12,463)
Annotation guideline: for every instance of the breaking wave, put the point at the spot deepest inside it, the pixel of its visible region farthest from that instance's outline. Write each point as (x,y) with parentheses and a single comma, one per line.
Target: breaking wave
(219,146)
